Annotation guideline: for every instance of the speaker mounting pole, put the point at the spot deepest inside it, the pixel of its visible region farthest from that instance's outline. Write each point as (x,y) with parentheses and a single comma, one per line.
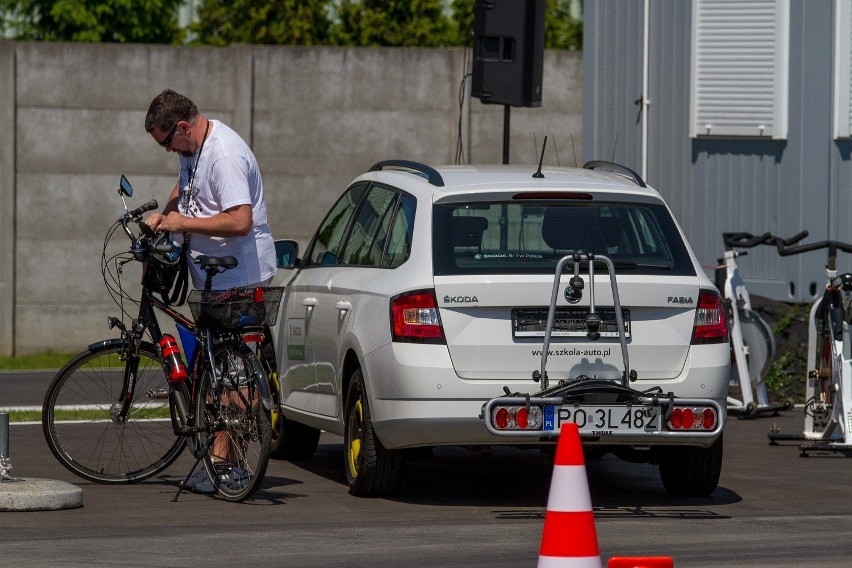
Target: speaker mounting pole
(507,111)
(508,55)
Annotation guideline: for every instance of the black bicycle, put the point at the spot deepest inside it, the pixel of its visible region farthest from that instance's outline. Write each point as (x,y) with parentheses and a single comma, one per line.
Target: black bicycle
(125,408)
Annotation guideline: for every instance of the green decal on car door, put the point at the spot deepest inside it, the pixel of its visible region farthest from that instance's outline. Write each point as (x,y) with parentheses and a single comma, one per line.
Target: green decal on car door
(296,339)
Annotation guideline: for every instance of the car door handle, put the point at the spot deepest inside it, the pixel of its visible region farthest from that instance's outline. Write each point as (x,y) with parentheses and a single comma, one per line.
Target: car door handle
(343,305)
(309,302)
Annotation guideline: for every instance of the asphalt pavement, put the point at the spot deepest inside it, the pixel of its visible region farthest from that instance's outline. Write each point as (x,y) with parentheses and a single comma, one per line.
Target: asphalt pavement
(458,508)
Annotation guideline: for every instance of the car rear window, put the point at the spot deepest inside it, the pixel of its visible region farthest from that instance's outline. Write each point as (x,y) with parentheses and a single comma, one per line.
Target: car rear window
(531,237)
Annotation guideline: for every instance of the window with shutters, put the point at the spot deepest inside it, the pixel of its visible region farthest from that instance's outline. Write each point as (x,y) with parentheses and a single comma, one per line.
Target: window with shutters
(739,77)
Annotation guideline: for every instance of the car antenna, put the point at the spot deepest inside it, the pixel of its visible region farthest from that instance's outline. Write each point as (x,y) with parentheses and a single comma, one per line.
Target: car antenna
(538,174)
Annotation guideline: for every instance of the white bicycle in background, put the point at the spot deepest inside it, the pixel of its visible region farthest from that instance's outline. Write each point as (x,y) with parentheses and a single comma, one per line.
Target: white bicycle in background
(752,340)
(828,391)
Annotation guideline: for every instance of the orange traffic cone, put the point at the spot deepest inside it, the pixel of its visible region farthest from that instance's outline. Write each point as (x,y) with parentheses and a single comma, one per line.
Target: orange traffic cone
(569,539)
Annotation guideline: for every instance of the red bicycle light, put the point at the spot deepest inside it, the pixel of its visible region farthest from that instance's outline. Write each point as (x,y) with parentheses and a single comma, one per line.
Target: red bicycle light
(253,337)
(258,295)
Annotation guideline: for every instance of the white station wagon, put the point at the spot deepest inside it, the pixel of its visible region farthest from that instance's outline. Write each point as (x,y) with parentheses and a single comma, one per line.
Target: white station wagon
(427,311)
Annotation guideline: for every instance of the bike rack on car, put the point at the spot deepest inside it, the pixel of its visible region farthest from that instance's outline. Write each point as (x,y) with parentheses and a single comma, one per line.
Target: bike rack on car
(653,412)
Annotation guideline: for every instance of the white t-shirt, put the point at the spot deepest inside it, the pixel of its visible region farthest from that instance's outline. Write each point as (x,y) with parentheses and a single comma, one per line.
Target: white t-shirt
(225,176)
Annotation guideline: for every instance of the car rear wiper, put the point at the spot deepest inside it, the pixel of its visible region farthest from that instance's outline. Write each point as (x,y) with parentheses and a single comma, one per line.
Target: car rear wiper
(633,265)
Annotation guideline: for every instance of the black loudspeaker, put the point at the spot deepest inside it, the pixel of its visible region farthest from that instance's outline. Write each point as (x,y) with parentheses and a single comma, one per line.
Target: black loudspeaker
(508,51)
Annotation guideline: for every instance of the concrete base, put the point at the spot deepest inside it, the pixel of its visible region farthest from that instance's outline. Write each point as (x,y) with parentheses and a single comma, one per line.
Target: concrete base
(39,495)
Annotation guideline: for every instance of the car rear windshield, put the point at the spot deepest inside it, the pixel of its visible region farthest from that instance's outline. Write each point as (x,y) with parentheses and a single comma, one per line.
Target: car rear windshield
(530,238)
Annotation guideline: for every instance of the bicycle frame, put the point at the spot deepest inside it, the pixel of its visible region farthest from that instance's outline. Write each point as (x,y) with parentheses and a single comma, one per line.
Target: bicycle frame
(752,341)
(828,391)
(115,391)
(132,339)
(836,426)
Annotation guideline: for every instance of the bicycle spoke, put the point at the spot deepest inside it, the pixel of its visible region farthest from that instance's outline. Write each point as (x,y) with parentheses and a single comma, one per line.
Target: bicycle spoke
(239,452)
(81,423)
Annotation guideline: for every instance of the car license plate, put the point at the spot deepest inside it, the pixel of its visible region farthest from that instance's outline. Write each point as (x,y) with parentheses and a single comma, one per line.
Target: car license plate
(567,322)
(602,420)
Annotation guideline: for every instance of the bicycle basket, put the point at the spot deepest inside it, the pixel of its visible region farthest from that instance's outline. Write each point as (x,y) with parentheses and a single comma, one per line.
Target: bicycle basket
(236,308)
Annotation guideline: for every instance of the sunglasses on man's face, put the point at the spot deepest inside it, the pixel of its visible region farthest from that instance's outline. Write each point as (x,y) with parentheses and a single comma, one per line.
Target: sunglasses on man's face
(168,139)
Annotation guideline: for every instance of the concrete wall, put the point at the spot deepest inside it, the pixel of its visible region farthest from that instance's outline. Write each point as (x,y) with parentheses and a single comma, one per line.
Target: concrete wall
(71,119)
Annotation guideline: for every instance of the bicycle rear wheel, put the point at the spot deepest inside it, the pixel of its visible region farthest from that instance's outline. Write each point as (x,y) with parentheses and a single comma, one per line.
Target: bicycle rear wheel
(234,421)
(79,417)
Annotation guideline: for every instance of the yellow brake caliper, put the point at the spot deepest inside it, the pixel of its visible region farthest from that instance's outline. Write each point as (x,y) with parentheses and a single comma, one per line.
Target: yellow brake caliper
(355,443)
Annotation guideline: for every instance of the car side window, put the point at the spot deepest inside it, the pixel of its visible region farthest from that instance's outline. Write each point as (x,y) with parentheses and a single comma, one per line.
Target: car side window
(399,243)
(325,248)
(366,241)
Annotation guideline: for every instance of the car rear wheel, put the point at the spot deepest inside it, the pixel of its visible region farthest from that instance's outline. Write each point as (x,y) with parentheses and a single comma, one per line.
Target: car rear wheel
(371,469)
(690,471)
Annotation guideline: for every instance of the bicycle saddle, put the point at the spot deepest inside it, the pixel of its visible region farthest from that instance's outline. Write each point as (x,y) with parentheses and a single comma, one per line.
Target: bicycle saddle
(216,261)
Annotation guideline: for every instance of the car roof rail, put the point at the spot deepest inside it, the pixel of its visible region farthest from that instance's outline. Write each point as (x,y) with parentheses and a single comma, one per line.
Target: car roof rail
(431,174)
(616,168)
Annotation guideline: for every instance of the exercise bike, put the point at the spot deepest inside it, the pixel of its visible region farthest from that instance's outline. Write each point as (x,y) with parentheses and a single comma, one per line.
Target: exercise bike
(752,340)
(828,391)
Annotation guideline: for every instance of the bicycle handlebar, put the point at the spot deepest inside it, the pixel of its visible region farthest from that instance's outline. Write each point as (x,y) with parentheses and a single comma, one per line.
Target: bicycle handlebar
(833,246)
(748,240)
(745,240)
(144,208)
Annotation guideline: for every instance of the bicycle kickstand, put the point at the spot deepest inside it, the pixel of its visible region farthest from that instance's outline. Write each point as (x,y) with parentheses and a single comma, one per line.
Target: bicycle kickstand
(182,484)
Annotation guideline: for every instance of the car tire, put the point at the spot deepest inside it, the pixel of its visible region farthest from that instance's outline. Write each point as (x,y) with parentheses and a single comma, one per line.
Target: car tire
(690,471)
(371,469)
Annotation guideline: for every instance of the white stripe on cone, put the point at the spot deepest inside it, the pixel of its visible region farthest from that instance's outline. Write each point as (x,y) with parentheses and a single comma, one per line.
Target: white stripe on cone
(569,562)
(561,497)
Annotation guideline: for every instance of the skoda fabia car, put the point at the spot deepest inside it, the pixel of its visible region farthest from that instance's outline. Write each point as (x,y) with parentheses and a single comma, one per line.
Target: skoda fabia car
(426,306)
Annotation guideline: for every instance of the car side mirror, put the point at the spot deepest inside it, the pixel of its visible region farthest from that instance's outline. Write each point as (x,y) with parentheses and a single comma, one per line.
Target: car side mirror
(287,253)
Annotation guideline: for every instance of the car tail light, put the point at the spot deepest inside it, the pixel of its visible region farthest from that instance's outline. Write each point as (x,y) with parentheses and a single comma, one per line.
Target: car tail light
(700,418)
(710,324)
(516,417)
(415,318)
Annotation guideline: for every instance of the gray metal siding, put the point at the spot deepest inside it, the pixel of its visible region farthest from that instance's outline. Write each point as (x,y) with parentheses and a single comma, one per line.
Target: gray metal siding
(725,184)
(611,126)
(668,112)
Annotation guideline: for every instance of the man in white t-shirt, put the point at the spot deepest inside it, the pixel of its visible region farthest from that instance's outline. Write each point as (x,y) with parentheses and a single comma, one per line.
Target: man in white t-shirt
(218,200)
(218,197)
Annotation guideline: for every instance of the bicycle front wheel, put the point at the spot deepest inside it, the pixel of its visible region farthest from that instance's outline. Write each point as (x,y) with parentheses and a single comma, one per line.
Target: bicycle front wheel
(234,422)
(80,417)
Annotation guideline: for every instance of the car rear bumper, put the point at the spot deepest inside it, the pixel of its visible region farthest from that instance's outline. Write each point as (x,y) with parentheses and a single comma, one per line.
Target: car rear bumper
(422,402)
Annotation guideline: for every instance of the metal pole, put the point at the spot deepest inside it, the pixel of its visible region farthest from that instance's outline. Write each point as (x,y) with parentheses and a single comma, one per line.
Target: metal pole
(4,435)
(5,461)
(507,110)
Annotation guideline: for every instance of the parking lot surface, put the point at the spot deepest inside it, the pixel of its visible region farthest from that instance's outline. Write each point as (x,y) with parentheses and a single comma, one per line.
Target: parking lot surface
(457,508)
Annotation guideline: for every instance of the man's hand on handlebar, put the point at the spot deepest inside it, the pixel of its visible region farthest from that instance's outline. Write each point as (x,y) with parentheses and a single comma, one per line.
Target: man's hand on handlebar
(172,222)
